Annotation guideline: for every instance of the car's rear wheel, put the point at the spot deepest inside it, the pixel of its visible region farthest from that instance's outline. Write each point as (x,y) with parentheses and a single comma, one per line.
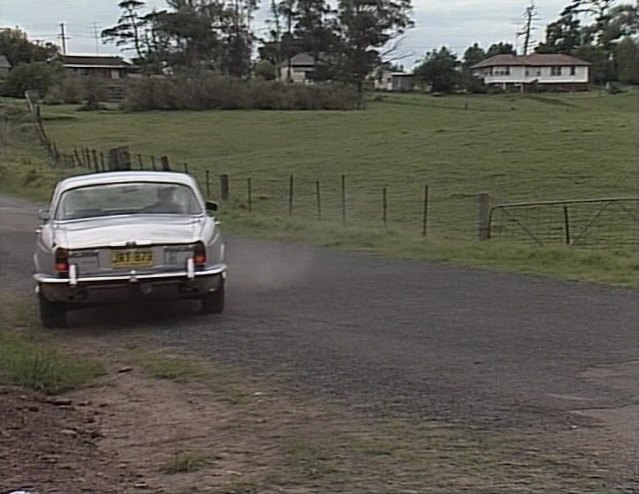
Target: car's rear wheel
(52,314)
(213,302)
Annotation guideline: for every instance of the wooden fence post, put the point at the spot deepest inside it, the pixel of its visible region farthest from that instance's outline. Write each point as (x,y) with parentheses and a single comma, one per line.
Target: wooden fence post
(207,178)
(567,225)
(249,187)
(425,217)
(343,199)
(77,157)
(119,159)
(384,206)
(224,186)
(319,201)
(290,194)
(166,166)
(483,201)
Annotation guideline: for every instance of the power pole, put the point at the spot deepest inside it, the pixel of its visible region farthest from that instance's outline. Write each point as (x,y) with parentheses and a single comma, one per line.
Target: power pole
(64,38)
(530,15)
(97,37)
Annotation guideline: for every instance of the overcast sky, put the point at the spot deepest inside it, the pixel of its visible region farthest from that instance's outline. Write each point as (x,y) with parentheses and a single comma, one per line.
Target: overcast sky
(456,24)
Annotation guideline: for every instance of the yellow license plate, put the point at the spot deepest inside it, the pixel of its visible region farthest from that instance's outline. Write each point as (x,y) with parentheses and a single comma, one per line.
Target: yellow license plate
(131,258)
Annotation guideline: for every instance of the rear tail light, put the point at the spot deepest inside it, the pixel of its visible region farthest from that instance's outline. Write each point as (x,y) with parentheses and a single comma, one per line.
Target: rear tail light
(199,254)
(62,262)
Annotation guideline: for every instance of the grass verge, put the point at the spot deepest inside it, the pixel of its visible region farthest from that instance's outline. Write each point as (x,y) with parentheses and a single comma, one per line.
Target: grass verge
(614,268)
(28,360)
(184,369)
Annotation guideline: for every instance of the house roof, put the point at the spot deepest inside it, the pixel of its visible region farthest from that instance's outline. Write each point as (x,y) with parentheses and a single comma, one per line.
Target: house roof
(534,60)
(96,62)
(4,62)
(301,59)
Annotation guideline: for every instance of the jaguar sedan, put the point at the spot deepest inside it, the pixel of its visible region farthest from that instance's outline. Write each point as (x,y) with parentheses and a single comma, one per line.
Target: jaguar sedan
(127,236)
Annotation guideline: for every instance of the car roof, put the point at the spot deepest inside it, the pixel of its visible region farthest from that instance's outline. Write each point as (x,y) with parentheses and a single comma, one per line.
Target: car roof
(124,176)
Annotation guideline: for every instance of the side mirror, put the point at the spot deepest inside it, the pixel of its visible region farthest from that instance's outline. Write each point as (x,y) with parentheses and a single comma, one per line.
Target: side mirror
(211,206)
(44,215)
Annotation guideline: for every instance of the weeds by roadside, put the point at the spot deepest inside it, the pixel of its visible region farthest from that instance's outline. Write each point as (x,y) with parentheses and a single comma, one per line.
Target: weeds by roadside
(28,360)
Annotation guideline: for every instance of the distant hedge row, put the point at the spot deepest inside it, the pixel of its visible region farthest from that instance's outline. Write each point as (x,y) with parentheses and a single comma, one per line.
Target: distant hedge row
(215,92)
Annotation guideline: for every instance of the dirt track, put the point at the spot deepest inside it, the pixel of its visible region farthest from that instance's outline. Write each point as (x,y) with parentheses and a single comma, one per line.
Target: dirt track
(480,349)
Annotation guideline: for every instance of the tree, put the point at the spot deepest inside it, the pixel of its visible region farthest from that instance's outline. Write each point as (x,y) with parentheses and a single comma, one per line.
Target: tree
(627,60)
(530,15)
(36,76)
(440,70)
(313,31)
(288,44)
(237,38)
(18,49)
(364,28)
(622,22)
(598,9)
(500,48)
(473,55)
(129,31)
(203,35)
(602,69)
(562,36)
(265,70)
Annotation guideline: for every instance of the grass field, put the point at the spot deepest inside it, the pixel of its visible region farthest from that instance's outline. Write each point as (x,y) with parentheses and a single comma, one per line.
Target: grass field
(513,147)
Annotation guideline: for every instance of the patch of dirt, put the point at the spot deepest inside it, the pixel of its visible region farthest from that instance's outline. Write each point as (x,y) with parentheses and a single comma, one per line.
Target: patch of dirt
(616,432)
(129,433)
(154,425)
(52,445)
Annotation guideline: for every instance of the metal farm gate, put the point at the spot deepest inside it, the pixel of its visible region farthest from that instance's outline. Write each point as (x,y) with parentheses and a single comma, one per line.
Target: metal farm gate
(609,223)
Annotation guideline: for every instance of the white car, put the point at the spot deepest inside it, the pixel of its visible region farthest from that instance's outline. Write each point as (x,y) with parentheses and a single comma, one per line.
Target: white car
(121,236)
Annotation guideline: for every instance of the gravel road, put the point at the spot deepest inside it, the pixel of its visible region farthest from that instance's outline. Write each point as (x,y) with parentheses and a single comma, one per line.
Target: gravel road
(461,345)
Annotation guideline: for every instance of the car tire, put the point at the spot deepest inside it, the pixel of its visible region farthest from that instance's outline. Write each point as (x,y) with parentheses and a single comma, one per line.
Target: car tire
(213,302)
(52,314)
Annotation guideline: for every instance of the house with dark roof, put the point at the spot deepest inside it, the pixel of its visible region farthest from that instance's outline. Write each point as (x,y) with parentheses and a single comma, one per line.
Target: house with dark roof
(102,67)
(5,65)
(298,69)
(549,70)
(389,80)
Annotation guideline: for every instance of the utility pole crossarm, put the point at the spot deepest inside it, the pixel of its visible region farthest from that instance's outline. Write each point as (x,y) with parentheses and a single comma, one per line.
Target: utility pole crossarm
(64,38)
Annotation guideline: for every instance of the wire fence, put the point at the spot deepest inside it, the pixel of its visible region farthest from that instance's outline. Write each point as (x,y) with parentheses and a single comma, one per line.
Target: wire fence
(360,200)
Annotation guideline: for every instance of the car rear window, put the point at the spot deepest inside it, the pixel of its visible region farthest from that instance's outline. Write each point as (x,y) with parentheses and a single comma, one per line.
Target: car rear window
(127,198)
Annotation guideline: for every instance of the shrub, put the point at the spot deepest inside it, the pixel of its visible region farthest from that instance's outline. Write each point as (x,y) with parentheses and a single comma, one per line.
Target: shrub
(265,70)
(69,91)
(205,92)
(37,76)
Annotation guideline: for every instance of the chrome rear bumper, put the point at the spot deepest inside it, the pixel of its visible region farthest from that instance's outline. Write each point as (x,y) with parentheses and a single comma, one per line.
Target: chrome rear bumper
(111,288)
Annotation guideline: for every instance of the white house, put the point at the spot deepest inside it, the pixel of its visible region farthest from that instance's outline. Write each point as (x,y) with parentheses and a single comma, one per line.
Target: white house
(388,80)
(551,70)
(299,68)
